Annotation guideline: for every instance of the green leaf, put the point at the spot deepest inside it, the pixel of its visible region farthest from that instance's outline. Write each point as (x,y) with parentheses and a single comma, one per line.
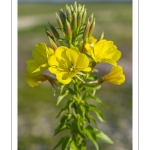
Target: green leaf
(96,99)
(63,123)
(73,146)
(97,112)
(68,106)
(91,86)
(66,142)
(61,96)
(83,146)
(82,108)
(103,136)
(60,141)
(76,127)
(92,136)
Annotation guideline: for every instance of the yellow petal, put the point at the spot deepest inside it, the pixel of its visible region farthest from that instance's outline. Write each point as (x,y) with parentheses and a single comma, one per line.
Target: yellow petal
(35,80)
(34,67)
(107,52)
(82,61)
(116,76)
(63,77)
(42,52)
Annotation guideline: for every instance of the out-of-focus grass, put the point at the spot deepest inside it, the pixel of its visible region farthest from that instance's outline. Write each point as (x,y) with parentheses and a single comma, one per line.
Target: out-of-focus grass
(37,106)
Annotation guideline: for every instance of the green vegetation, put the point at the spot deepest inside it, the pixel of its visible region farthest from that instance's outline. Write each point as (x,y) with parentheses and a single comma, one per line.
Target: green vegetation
(37,106)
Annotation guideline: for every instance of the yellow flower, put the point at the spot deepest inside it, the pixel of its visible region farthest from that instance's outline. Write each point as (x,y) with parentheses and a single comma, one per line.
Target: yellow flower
(67,62)
(39,63)
(103,51)
(116,76)
(37,79)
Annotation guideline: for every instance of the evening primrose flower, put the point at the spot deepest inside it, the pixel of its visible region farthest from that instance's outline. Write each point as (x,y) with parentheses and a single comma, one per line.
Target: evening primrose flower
(67,63)
(103,51)
(39,63)
(115,76)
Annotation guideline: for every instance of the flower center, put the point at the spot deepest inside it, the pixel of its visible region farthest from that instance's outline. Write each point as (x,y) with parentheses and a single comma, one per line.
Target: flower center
(72,68)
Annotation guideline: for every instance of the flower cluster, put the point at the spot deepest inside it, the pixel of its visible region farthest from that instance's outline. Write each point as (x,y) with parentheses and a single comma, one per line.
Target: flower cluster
(71,59)
(81,55)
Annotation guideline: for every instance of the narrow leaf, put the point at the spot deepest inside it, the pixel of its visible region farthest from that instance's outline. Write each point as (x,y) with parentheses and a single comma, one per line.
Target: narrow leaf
(97,112)
(103,136)
(62,96)
(92,136)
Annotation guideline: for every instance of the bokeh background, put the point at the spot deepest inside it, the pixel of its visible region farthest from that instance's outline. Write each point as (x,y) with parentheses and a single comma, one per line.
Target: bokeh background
(37,108)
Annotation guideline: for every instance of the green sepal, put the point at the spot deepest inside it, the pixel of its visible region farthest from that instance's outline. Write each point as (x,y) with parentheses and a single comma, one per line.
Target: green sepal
(97,112)
(103,136)
(61,96)
(91,135)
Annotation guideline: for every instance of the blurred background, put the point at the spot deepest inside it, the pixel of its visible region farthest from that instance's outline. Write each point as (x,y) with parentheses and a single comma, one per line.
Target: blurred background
(37,108)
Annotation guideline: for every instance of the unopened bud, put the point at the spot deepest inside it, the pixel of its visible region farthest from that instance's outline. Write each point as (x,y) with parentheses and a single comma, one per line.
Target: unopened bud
(71,7)
(91,19)
(79,20)
(59,22)
(79,8)
(86,31)
(92,28)
(101,37)
(83,17)
(69,31)
(48,33)
(74,23)
(69,15)
(52,43)
(62,17)
(83,9)
(75,6)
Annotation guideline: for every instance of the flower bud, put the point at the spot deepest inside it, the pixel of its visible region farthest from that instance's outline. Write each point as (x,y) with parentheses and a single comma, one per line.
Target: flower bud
(86,31)
(75,6)
(92,28)
(59,22)
(91,19)
(52,43)
(83,17)
(49,34)
(69,14)
(100,37)
(69,31)
(62,17)
(79,19)
(74,23)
